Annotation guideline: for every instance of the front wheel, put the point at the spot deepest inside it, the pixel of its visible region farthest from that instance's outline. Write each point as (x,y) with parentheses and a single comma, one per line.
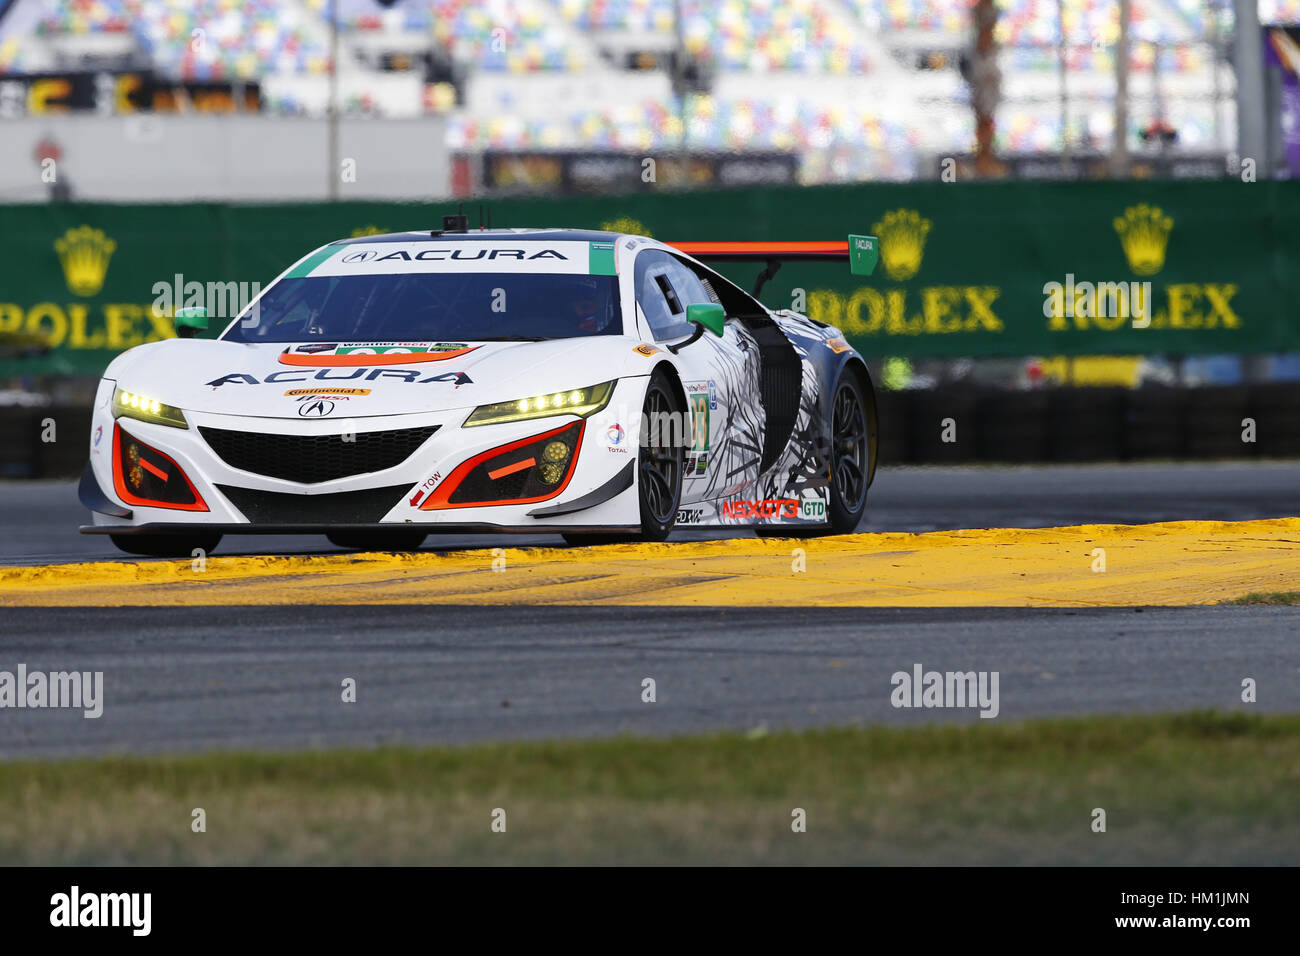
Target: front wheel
(664,426)
(166,545)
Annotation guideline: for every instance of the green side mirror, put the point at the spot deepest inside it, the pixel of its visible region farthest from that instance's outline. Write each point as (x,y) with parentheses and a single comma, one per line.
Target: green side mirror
(191,321)
(713,317)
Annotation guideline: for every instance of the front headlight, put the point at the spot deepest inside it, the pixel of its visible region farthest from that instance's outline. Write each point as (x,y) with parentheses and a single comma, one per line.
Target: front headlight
(578,401)
(134,405)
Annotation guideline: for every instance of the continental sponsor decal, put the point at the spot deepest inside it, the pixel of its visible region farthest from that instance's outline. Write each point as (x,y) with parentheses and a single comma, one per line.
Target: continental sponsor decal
(304,392)
(837,344)
(647,350)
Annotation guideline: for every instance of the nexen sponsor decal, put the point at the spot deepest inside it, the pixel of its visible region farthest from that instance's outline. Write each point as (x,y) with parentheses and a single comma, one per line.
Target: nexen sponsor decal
(338,375)
(768,508)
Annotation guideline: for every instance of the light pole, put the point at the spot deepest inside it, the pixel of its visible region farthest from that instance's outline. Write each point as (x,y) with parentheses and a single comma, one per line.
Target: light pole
(333,171)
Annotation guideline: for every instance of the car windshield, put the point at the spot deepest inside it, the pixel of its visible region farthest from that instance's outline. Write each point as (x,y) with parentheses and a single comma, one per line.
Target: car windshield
(426,307)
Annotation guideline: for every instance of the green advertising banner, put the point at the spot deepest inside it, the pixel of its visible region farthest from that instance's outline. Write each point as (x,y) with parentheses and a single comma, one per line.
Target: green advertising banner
(998,269)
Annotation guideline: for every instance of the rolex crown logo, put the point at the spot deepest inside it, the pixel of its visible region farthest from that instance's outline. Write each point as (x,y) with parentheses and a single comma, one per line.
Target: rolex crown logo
(625,224)
(1144,233)
(902,235)
(84,253)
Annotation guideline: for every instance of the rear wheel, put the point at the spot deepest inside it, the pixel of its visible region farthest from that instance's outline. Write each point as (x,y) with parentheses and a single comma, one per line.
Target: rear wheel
(850,464)
(166,545)
(378,540)
(850,455)
(659,466)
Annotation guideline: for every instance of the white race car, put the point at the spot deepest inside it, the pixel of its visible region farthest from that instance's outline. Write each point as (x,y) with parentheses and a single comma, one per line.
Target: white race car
(596,385)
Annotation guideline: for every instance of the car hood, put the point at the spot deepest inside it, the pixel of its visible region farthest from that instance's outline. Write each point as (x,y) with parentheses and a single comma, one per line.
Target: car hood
(275,380)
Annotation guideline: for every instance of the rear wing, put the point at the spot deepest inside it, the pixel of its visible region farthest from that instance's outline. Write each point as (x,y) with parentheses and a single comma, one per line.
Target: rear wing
(862,253)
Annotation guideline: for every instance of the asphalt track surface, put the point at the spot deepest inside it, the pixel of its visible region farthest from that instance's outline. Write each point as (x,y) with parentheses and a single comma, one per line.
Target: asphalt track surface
(180,679)
(39,520)
(188,679)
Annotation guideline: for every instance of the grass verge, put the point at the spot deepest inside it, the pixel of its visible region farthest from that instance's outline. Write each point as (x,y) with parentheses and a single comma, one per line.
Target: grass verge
(1268,597)
(1199,788)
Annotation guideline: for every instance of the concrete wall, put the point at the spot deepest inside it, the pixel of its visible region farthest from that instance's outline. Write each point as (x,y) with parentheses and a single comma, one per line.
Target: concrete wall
(149,157)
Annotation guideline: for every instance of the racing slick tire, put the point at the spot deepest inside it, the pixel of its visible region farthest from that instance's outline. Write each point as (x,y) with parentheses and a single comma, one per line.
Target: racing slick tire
(378,540)
(165,545)
(660,462)
(850,455)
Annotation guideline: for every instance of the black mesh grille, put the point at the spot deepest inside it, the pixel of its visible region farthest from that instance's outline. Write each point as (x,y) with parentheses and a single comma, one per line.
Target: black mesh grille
(346,507)
(314,458)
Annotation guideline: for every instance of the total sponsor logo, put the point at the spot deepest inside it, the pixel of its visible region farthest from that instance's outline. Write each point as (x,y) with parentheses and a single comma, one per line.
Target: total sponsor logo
(615,436)
(287,376)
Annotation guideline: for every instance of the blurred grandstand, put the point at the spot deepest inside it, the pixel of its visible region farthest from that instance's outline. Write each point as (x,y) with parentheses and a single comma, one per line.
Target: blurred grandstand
(854,89)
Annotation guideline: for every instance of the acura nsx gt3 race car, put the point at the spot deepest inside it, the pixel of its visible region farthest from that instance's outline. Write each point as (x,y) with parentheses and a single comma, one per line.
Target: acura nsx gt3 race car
(596,385)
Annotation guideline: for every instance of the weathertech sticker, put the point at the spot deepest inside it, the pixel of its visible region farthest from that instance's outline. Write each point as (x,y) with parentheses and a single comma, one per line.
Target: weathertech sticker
(375,356)
(407,348)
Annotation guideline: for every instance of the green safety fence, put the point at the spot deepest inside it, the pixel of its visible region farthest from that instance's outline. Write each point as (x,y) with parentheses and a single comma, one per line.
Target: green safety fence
(993,269)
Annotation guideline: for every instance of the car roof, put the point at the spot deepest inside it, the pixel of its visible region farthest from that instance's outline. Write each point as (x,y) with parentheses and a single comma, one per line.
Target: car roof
(513,235)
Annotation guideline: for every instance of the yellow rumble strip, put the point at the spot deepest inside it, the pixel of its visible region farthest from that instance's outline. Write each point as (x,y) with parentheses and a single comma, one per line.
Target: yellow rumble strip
(1184,562)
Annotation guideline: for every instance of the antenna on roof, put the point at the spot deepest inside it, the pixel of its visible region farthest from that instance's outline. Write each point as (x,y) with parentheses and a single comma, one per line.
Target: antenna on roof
(480,217)
(456,223)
